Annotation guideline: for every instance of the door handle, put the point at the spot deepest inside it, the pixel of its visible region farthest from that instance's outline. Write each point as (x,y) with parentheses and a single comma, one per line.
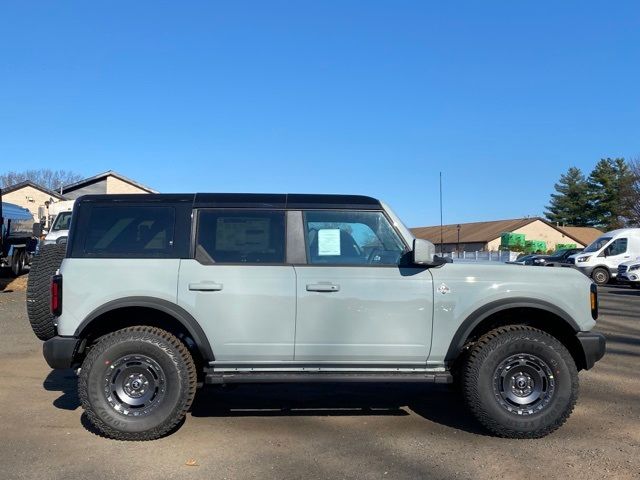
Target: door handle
(323,287)
(205,287)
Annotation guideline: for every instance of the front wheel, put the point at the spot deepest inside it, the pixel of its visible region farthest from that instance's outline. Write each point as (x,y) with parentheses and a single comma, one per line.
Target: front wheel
(137,383)
(520,382)
(601,276)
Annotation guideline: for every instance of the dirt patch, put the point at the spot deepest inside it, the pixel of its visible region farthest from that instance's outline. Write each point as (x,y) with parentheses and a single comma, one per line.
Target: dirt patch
(10,284)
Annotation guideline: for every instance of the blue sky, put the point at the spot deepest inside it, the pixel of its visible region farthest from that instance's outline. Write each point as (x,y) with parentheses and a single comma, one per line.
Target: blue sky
(365,97)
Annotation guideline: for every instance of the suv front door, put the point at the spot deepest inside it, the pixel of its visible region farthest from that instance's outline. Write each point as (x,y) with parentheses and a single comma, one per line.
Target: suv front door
(616,253)
(238,286)
(357,302)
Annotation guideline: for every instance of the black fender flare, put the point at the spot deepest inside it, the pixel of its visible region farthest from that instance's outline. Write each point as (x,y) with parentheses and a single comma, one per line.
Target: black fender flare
(484,312)
(164,306)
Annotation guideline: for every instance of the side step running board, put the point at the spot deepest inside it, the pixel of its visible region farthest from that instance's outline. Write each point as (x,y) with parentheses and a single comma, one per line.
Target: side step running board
(295,377)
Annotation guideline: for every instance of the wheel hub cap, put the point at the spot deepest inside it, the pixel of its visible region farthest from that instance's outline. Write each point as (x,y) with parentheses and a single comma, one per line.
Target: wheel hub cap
(523,384)
(134,385)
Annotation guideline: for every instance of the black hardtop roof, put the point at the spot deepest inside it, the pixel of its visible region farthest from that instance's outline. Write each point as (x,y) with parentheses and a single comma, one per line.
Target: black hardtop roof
(243,200)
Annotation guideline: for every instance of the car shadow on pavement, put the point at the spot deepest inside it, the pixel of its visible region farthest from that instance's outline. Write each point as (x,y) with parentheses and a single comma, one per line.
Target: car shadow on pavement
(65,382)
(436,403)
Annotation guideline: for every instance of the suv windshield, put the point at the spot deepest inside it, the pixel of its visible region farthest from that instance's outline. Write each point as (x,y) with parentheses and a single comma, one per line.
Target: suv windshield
(597,245)
(61,222)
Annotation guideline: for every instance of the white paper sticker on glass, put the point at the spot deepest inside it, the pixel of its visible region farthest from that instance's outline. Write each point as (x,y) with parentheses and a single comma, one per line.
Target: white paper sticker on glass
(329,241)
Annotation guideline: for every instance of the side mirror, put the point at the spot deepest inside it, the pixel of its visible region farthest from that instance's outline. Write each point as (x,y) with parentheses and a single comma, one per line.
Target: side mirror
(37,229)
(424,252)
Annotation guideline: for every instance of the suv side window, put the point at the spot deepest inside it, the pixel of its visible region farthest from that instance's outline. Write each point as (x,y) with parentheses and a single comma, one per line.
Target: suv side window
(126,231)
(351,238)
(240,236)
(617,247)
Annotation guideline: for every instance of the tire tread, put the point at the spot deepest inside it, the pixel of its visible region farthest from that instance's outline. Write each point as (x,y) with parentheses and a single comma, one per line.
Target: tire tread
(147,334)
(471,373)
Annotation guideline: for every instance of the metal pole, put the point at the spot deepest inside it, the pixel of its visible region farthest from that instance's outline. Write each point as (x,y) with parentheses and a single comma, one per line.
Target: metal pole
(441,233)
(458,247)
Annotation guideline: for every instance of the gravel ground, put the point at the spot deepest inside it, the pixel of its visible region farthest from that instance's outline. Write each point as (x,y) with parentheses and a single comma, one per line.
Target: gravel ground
(320,431)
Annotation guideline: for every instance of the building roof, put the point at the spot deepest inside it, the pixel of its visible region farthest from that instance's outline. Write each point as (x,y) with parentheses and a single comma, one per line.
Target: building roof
(475,232)
(29,183)
(584,235)
(484,232)
(102,176)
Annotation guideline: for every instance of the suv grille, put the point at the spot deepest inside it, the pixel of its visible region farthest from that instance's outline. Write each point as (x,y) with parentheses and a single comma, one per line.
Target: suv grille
(570,261)
(622,269)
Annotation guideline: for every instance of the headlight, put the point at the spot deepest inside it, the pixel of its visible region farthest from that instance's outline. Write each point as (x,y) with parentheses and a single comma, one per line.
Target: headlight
(584,259)
(634,267)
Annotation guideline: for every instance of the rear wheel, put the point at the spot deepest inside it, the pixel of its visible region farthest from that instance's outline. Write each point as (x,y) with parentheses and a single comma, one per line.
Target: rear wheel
(601,276)
(520,382)
(137,383)
(18,261)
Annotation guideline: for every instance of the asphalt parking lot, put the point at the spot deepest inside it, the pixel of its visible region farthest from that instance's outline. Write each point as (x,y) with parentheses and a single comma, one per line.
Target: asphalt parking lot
(320,431)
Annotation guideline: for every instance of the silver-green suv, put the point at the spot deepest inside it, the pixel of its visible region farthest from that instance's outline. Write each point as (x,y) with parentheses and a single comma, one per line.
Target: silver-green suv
(157,294)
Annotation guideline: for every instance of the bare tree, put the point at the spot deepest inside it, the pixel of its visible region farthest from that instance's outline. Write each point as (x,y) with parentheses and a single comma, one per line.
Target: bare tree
(51,179)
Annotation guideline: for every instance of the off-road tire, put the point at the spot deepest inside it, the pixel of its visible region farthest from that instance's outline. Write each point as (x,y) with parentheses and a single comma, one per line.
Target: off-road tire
(44,266)
(486,357)
(601,276)
(159,347)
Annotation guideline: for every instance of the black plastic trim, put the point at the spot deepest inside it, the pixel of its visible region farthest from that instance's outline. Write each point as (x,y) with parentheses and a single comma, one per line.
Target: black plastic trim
(59,352)
(177,312)
(301,377)
(594,346)
(296,252)
(473,320)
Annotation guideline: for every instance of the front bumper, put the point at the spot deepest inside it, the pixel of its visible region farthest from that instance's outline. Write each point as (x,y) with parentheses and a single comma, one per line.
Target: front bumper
(586,270)
(593,346)
(59,352)
(629,277)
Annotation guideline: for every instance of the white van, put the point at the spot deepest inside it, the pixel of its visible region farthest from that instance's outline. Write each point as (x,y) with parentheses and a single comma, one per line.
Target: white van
(59,230)
(601,259)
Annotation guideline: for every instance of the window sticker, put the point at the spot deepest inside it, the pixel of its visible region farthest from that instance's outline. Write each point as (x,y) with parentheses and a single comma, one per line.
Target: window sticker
(329,241)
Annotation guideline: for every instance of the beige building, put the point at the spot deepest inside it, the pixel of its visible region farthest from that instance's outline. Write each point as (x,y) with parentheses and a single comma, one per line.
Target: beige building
(38,199)
(486,236)
(108,182)
(32,197)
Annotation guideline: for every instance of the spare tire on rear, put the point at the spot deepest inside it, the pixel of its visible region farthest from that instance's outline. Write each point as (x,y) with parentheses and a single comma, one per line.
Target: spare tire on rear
(44,266)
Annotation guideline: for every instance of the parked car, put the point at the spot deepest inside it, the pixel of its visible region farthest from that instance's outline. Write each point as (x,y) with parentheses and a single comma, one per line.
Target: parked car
(601,259)
(156,294)
(559,258)
(536,260)
(59,231)
(629,273)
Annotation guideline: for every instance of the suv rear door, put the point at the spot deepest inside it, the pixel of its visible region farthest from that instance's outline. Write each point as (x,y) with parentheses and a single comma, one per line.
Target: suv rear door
(238,286)
(356,300)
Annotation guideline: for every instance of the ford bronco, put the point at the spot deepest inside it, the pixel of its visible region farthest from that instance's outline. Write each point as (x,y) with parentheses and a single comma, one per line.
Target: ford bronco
(155,295)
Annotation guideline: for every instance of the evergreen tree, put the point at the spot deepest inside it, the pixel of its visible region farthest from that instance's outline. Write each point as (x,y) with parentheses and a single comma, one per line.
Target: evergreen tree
(610,187)
(570,205)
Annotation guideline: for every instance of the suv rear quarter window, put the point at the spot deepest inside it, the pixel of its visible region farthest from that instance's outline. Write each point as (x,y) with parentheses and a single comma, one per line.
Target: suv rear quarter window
(129,231)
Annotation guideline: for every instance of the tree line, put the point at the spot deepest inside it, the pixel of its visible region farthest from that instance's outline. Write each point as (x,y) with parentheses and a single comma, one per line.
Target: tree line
(608,198)
(51,179)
